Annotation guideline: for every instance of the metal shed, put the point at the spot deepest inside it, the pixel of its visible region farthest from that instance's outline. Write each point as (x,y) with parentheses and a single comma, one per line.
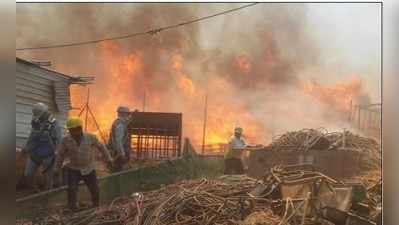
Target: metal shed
(37,84)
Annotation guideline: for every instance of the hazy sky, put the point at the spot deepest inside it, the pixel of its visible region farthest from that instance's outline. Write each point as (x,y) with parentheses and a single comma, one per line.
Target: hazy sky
(350,34)
(351,31)
(347,34)
(285,46)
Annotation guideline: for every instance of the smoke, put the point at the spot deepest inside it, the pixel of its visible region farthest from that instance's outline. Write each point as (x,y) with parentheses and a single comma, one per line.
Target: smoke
(252,64)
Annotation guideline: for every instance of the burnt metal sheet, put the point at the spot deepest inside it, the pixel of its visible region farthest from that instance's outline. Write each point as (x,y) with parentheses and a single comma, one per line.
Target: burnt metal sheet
(156,123)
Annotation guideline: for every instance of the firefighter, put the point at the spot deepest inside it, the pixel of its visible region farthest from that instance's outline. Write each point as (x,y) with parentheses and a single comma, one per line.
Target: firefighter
(79,147)
(41,146)
(233,157)
(119,140)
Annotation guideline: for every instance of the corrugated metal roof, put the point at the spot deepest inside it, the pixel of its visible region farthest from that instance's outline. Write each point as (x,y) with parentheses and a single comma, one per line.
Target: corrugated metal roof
(37,84)
(62,96)
(73,80)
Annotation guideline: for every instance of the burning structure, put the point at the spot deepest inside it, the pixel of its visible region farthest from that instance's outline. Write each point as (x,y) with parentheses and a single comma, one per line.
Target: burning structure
(264,77)
(267,75)
(156,135)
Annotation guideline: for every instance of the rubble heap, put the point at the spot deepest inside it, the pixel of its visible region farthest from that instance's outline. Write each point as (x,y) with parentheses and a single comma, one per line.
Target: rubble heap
(302,195)
(321,139)
(220,201)
(286,195)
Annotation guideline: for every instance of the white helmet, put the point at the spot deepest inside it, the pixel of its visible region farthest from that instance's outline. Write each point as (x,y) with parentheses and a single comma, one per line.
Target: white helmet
(39,109)
(238,130)
(122,109)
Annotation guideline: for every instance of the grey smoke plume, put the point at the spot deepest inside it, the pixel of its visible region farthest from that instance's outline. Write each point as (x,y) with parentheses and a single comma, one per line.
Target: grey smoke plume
(252,63)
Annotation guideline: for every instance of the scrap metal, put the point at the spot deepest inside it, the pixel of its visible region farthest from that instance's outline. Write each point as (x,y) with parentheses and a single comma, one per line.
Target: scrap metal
(287,195)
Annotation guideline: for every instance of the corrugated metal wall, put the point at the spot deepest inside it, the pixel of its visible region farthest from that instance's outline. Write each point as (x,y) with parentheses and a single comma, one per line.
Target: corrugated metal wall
(34,84)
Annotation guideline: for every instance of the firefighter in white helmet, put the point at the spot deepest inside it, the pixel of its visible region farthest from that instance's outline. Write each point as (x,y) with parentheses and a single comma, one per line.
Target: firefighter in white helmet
(233,157)
(236,147)
(45,136)
(119,140)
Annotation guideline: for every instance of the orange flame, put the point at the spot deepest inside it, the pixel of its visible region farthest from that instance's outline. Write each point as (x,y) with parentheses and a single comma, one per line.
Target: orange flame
(125,79)
(338,95)
(244,64)
(113,91)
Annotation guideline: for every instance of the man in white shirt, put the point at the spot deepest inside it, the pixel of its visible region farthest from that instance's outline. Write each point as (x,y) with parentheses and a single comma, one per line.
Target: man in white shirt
(233,157)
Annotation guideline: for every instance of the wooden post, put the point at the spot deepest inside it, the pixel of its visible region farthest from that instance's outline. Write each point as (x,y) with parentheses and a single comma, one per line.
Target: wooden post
(144,98)
(96,124)
(87,107)
(204,127)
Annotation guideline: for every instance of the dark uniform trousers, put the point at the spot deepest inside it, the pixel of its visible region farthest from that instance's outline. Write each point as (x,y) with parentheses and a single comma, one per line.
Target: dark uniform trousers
(73,178)
(233,166)
(119,163)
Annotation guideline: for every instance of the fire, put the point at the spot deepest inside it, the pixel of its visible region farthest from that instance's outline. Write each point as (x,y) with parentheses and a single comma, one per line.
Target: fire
(244,64)
(186,84)
(252,79)
(214,137)
(177,62)
(115,90)
(170,87)
(338,95)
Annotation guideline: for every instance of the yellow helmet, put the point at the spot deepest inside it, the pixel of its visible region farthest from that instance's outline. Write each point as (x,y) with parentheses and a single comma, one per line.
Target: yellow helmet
(73,122)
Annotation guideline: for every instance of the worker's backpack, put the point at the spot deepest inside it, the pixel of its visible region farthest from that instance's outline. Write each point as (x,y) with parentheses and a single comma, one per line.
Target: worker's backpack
(43,138)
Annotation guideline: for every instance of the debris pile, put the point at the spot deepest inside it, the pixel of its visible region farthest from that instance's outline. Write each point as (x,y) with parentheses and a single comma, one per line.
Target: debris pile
(286,195)
(302,195)
(321,139)
(348,140)
(301,140)
(221,201)
(262,218)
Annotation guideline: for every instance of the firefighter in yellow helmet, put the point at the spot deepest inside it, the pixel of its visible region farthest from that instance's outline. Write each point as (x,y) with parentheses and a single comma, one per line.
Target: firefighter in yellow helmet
(79,147)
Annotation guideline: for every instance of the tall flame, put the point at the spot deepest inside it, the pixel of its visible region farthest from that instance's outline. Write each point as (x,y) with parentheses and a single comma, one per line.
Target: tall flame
(339,95)
(127,83)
